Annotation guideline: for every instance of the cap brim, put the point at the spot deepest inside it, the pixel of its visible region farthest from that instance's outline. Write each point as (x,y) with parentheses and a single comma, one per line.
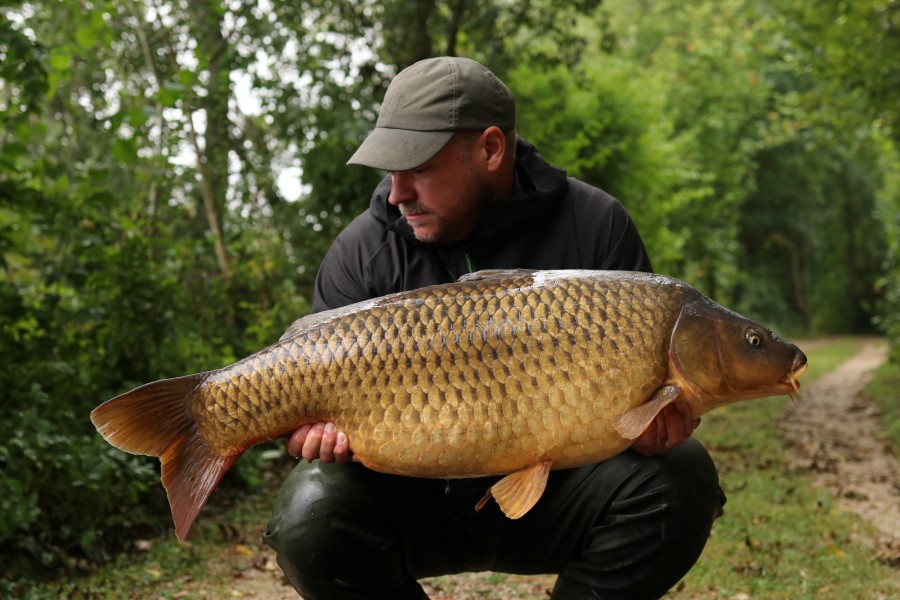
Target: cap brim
(399,149)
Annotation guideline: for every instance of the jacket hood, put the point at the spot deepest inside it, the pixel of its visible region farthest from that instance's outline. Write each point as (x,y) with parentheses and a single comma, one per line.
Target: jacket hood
(538,187)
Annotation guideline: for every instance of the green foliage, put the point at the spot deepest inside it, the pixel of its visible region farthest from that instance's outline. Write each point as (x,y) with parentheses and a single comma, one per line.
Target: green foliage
(66,494)
(777,211)
(850,48)
(605,126)
(108,281)
(811,240)
(22,70)
(887,212)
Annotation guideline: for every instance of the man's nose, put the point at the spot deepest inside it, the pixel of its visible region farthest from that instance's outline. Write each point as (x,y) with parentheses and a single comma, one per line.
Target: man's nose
(401,188)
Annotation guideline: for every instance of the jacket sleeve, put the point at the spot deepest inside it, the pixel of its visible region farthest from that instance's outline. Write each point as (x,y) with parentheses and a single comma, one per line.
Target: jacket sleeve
(606,235)
(625,249)
(343,275)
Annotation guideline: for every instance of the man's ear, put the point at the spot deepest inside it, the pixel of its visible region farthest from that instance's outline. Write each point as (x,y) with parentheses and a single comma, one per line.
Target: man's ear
(495,148)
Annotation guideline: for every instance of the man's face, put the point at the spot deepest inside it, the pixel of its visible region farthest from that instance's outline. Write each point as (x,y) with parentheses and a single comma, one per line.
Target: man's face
(443,198)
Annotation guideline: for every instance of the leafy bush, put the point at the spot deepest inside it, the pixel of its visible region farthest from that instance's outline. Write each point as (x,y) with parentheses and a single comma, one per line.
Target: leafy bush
(67,494)
(888,212)
(93,306)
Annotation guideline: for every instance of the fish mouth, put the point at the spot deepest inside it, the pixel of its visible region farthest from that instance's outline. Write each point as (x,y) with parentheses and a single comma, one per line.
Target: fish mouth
(791,379)
(787,384)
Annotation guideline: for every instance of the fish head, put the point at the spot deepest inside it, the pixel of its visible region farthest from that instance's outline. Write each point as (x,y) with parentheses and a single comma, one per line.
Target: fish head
(721,357)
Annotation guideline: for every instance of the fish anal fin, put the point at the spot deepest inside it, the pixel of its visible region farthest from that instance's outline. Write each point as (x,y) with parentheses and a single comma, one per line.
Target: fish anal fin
(190,473)
(518,492)
(634,421)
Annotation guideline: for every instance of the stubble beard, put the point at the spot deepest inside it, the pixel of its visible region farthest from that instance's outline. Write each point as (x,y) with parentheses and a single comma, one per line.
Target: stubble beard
(446,231)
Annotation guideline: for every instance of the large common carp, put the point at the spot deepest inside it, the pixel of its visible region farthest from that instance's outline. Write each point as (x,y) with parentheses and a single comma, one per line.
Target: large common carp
(514,372)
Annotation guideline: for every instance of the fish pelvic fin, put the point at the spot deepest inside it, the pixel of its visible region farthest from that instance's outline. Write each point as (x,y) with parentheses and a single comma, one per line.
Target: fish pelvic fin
(632,423)
(518,492)
(154,420)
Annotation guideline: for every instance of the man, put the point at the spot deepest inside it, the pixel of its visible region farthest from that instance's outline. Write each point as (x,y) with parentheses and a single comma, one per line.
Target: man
(464,193)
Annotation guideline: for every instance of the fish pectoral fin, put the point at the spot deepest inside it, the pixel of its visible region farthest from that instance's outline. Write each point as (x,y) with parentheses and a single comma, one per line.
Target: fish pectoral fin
(518,492)
(634,421)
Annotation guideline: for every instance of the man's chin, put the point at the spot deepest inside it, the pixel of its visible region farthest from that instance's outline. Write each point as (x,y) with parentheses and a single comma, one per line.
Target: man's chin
(427,238)
(437,234)
(427,235)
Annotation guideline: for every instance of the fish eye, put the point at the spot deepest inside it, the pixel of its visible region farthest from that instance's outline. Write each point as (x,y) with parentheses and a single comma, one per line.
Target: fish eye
(753,338)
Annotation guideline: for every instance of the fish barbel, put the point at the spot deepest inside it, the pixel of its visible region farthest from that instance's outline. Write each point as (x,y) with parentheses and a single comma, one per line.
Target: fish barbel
(503,372)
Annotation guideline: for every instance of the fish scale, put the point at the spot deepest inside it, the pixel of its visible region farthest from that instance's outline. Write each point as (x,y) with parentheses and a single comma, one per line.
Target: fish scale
(511,373)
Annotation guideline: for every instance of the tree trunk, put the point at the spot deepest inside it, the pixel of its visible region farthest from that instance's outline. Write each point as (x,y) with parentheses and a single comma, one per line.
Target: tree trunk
(212,158)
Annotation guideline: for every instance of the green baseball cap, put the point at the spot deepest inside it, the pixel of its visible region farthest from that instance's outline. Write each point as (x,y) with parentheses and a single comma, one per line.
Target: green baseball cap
(426,103)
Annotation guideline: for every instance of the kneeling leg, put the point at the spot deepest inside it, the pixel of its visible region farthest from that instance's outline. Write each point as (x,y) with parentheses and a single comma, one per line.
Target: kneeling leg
(332,540)
(652,528)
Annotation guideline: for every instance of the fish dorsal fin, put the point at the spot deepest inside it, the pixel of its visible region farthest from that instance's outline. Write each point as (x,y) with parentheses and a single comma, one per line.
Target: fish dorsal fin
(487,274)
(518,492)
(313,320)
(297,326)
(634,421)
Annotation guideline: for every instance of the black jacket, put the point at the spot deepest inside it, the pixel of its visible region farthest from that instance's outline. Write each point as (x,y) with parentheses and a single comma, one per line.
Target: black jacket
(549,221)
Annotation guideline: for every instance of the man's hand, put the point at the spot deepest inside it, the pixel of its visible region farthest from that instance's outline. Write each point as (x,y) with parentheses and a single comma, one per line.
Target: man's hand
(322,441)
(671,427)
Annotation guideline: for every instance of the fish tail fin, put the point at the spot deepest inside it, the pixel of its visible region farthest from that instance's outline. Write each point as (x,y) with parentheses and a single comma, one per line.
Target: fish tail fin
(190,473)
(154,420)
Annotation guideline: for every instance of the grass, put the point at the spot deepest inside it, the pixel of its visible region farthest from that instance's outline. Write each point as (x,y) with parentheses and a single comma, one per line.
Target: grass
(780,538)
(885,388)
(223,548)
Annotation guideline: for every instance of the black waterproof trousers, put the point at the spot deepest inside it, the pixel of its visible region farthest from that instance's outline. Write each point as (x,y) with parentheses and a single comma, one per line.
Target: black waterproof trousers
(629,527)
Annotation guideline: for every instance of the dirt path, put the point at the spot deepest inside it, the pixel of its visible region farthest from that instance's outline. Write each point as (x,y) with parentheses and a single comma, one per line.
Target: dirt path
(834,434)
(834,429)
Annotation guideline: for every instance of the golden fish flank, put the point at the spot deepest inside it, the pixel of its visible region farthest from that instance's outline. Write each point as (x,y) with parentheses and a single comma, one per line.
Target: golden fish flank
(503,372)
(445,383)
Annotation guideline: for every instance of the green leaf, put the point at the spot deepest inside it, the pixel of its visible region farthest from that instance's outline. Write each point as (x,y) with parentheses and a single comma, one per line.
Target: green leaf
(86,37)
(124,151)
(60,59)
(171,93)
(13,150)
(137,116)
(187,78)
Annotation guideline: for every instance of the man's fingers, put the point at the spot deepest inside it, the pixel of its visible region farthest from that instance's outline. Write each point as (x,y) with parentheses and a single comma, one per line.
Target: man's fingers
(688,422)
(681,425)
(321,441)
(326,445)
(674,427)
(664,431)
(295,442)
(342,449)
(313,442)
(648,442)
(671,427)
